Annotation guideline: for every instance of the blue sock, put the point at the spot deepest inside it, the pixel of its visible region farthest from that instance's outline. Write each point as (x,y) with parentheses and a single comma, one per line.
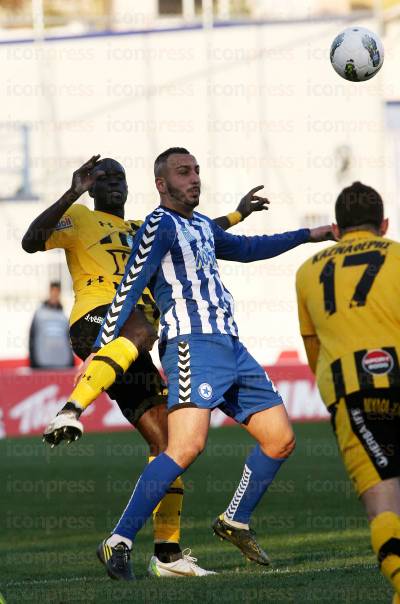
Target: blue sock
(148,492)
(259,471)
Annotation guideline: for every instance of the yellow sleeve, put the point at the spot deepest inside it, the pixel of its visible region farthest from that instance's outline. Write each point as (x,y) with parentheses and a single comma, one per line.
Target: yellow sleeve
(67,229)
(306,325)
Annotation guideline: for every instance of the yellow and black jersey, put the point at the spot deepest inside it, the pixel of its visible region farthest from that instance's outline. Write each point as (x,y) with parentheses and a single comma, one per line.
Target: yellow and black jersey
(348,295)
(97,246)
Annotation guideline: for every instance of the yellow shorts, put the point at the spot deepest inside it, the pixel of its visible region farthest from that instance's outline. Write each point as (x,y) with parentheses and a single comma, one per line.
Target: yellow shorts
(367,428)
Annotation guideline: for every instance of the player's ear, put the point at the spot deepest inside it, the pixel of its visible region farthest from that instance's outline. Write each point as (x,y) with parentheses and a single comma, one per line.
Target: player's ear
(336,231)
(384,227)
(161,184)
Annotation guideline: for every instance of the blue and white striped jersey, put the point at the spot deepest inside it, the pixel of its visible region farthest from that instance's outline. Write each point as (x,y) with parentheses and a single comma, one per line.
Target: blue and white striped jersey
(177,258)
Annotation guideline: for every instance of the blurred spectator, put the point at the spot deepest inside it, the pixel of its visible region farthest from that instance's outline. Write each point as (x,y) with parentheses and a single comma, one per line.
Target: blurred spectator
(49,345)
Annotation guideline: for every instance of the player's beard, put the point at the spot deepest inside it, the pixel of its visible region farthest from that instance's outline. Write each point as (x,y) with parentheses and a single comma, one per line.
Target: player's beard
(180,199)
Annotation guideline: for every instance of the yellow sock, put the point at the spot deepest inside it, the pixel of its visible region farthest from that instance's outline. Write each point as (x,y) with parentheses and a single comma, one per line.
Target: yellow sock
(167,515)
(385,538)
(112,360)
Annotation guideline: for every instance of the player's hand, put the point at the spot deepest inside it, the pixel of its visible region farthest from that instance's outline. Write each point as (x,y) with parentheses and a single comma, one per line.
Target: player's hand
(83,178)
(64,426)
(322,233)
(252,203)
(82,368)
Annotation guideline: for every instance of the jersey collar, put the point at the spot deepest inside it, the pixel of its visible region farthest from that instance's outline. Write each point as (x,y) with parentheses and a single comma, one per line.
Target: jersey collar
(112,216)
(176,212)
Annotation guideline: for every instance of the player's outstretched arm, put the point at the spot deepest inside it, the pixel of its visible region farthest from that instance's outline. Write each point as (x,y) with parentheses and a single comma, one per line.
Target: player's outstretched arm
(240,248)
(42,227)
(248,204)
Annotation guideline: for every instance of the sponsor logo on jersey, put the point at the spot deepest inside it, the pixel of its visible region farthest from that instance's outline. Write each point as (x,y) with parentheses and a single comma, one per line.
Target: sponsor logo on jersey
(94,318)
(205,257)
(187,235)
(205,391)
(64,223)
(377,362)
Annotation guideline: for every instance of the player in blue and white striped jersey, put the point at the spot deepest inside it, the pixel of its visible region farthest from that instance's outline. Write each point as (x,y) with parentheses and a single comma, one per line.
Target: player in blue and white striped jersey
(177,256)
(206,365)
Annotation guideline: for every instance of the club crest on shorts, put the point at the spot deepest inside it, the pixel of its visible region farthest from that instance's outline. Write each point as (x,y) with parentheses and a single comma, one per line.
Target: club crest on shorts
(377,362)
(205,391)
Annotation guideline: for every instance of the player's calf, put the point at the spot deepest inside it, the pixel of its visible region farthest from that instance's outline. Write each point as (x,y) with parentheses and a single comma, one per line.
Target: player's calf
(106,365)
(385,538)
(233,525)
(114,359)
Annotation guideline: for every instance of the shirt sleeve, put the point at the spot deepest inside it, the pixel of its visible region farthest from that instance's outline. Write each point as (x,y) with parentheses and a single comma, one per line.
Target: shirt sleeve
(306,325)
(152,242)
(240,248)
(66,230)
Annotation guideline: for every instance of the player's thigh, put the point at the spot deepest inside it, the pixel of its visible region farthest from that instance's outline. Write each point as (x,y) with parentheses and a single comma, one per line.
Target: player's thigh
(382,497)
(187,434)
(366,426)
(254,401)
(139,331)
(273,431)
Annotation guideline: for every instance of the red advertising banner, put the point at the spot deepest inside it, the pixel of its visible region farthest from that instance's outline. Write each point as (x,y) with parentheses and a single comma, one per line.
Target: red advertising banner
(29,399)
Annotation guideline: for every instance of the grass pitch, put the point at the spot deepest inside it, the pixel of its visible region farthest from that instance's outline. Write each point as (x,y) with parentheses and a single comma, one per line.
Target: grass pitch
(57,505)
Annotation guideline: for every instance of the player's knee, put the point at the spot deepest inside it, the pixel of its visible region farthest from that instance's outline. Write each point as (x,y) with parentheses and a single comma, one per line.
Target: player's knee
(144,338)
(186,455)
(288,446)
(282,447)
(143,335)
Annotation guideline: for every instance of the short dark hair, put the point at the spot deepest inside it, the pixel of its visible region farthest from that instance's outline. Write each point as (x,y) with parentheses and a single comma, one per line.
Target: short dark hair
(358,205)
(55,284)
(161,160)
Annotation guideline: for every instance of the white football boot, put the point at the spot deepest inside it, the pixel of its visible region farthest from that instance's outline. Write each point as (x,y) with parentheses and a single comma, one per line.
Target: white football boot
(184,567)
(64,426)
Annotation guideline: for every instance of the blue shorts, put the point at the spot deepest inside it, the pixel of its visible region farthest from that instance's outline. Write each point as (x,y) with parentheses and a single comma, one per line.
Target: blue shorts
(215,370)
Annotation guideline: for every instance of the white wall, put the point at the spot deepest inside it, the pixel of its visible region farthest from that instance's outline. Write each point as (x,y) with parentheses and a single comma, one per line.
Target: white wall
(255,104)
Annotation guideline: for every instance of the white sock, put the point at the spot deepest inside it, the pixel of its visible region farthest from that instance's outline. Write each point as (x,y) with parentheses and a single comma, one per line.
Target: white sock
(114,539)
(240,525)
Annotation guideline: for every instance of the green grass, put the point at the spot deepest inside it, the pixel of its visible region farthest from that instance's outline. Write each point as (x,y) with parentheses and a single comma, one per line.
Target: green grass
(56,506)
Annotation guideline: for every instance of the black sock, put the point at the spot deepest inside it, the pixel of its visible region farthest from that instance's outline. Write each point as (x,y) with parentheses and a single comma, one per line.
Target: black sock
(167,552)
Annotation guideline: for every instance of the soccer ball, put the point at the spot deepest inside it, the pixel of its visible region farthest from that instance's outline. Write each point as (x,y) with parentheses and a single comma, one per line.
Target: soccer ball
(357,54)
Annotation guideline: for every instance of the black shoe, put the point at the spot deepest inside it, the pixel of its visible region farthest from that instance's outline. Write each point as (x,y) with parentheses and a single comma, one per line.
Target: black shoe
(116,560)
(244,539)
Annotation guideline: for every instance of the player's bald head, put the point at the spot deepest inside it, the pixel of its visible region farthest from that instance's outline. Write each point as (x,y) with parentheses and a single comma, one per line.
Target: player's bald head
(160,164)
(109,165)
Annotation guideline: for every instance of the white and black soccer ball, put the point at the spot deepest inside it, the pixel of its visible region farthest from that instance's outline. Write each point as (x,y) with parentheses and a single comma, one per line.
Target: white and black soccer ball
(357,54)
